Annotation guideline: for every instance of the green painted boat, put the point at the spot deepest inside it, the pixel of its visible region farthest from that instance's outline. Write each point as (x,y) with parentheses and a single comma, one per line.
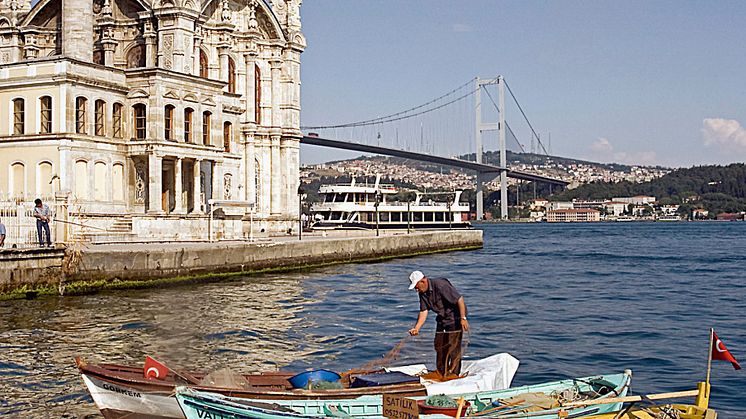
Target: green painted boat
(540,401)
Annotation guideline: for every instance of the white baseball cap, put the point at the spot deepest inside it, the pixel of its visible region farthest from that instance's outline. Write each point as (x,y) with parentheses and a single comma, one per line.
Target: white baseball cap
(414,278)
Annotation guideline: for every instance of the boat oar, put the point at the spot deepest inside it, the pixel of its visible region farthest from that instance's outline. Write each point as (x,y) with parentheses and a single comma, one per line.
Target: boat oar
(461,402)
(628,399)
(498,408)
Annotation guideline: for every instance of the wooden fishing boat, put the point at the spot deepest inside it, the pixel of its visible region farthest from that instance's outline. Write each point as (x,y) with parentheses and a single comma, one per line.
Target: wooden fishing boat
(123,391)
(699,410)
(540,401)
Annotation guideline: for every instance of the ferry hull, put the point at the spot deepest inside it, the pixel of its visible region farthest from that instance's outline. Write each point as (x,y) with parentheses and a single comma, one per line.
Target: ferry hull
(326,225)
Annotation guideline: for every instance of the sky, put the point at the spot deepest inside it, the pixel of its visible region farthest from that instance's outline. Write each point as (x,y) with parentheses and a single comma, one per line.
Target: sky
(635,82)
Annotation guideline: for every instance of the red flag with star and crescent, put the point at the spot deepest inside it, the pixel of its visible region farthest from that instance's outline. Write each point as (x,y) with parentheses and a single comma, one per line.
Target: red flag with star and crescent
(721,353)
(154,369)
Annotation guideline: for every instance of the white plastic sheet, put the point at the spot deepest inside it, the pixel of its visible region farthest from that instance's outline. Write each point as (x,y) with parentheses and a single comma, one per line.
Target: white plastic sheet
(492,373)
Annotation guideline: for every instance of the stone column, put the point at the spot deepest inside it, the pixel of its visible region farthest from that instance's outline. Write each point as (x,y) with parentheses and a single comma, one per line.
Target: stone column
(223,54)
(197,187)
(195,58)
(276,175)
(250,167)
(217,181)
(276,92)
(178,193)
(155,173)
(150,40)
(250,91)
(265,175)
(77,33)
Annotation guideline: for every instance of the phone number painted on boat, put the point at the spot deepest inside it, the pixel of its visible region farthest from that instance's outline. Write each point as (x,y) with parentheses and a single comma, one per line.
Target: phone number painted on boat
(399,407)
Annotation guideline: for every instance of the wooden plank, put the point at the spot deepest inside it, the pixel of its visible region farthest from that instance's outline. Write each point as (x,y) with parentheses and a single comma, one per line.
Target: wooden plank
(627,399)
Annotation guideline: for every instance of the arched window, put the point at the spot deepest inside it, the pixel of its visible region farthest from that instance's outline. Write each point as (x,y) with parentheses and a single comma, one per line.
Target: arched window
(81,179)
(44,179)
(231,75)
(99,181)
(117,182)
(227,133)
(45,114)
(140,121)
(257,94)
(203,64)
(18,181)
(188,116)
(257,183)
(80,114)
(169,123)
(136,57)
(206,127)
(99,117)
(19,117)
(116,120)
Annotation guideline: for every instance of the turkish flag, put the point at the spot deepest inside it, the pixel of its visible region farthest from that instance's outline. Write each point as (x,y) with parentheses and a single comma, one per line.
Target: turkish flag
(154,369)
(720,352)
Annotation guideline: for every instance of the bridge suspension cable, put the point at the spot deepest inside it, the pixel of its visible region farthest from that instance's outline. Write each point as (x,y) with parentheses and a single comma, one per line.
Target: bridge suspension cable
(398,116)
(526,118)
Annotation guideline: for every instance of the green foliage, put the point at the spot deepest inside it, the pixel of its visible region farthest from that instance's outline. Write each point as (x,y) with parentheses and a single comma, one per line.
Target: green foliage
(715,188)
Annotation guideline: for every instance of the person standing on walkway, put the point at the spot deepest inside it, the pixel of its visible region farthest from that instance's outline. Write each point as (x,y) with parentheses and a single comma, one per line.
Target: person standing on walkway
(2,234)
(438,295)
(43,217)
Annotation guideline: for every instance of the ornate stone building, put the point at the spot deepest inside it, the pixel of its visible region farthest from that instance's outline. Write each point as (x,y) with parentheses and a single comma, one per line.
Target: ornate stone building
(142,111)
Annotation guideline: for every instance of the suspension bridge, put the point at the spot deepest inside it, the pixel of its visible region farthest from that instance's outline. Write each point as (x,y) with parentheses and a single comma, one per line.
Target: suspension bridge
(453,129)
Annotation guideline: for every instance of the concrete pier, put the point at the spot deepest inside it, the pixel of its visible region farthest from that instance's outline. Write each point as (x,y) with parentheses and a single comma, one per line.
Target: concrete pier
(111,266)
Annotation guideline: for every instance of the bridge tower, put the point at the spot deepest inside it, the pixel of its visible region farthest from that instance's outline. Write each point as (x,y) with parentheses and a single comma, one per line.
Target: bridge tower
(483,177)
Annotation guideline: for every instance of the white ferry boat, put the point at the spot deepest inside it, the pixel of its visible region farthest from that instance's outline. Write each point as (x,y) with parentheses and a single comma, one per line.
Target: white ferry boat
(669,218)
(355,206)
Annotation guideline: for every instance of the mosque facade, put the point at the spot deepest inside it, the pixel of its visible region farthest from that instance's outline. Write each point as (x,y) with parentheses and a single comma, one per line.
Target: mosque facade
(172,118)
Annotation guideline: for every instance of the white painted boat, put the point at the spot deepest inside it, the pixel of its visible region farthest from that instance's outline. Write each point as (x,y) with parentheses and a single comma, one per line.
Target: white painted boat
(121,400)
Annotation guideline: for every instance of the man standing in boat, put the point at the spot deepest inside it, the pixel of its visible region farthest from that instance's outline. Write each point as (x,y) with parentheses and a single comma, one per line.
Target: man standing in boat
(438,295)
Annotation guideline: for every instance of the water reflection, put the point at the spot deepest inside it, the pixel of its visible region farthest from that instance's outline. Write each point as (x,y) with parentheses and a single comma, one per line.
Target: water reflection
(247,325)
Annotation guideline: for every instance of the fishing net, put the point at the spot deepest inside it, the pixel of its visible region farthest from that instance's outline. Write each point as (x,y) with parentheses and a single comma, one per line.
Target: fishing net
(323,385)
(440,400)
(224,378)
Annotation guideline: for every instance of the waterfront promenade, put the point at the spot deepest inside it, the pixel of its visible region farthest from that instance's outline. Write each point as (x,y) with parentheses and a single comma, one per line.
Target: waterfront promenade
(83,269)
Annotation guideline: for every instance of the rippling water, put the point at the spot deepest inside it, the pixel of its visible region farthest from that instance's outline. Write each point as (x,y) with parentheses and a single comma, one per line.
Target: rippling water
(567,300)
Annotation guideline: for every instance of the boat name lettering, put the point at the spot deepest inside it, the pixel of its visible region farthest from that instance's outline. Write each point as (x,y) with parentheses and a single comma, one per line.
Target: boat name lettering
(398,407)
(204,414)
(119,390)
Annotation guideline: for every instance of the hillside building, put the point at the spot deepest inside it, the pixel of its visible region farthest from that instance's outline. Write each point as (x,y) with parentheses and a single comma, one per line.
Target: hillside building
(144,111)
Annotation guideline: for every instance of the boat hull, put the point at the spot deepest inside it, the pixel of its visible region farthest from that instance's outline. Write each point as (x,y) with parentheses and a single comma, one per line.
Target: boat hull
(120,401)
(198,405)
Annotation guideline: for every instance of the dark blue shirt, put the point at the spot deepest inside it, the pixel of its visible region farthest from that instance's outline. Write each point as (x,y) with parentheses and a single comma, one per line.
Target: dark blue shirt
(442,298)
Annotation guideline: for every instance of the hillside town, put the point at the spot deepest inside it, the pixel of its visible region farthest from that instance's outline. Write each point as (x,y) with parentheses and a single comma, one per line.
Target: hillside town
(427,177)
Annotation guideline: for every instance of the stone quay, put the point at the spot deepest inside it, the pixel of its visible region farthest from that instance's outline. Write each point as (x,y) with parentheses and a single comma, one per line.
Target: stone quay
(28,273)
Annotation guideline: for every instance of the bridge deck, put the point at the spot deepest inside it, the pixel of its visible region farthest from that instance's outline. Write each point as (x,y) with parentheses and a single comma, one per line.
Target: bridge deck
(446,161)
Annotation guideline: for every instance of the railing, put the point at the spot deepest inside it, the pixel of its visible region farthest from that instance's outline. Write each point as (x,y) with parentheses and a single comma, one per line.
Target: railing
(20,224)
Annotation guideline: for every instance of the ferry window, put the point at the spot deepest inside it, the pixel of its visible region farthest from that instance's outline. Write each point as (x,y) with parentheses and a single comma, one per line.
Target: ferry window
(395,216)
(428,216)
(383,216)
(417,217)
(439,216)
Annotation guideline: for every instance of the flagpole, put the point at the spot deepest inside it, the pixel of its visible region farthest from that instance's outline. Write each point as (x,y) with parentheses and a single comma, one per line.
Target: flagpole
(709,357)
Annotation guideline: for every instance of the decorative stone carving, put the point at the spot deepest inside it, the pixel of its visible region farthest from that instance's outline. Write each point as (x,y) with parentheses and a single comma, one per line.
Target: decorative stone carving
(253,24)
(226,14)
(141,171)
(227,186)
